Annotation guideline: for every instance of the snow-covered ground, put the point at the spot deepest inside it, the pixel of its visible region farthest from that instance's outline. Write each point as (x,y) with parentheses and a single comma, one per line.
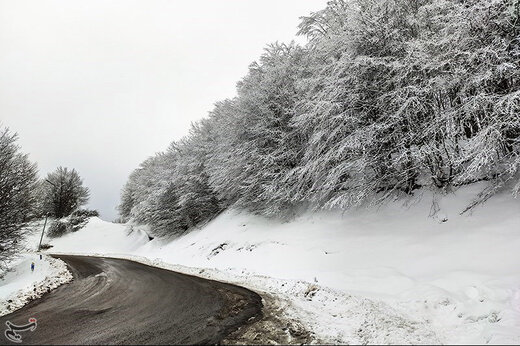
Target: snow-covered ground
(411,271)
(21,285)
(99,237)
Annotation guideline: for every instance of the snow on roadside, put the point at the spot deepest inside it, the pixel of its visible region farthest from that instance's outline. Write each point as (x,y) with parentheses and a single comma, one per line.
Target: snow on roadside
(332,316)
(412,271)
(20,285)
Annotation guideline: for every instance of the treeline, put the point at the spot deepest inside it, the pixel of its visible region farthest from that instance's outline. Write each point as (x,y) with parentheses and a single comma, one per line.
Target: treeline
(388,96)
(25,198)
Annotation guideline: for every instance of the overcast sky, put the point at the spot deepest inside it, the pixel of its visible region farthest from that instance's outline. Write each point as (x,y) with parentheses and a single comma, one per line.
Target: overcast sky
(101,85)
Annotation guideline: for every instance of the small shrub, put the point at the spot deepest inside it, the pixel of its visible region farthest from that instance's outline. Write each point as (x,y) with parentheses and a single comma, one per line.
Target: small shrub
(57,229)
(45,246)
(72,223)
(85,213)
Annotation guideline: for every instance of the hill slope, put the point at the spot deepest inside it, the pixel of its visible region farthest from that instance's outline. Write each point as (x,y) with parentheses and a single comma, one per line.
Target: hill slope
(397,273)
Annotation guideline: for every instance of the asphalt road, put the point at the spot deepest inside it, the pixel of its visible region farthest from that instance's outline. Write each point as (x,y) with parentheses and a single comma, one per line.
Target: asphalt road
(113,301)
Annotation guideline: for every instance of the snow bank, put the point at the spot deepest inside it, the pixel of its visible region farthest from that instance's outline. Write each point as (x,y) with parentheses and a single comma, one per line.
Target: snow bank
(406,272)
(21,285)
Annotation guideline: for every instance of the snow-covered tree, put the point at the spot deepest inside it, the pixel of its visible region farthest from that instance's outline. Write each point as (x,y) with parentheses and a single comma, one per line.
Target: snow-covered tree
(261,145)
(197,201)
(140,195)
(63,192)
(408,93)
(351,135)
(18,179)
(388,96)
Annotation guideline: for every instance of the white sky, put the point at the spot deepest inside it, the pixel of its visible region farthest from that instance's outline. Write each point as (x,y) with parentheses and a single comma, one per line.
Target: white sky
(101,85)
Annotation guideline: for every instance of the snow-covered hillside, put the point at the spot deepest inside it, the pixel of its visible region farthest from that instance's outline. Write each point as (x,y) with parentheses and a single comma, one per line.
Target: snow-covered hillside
(392,274)
(99,237)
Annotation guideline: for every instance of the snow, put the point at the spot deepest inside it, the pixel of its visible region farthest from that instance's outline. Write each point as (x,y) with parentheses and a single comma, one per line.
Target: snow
(99,237)
(403,272)
(21,285)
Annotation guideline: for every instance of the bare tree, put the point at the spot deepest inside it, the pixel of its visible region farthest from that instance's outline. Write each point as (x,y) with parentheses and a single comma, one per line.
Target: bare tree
(63,192)
(18,179)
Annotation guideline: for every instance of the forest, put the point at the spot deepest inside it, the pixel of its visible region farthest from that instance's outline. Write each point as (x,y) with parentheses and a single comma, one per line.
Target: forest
(385,98)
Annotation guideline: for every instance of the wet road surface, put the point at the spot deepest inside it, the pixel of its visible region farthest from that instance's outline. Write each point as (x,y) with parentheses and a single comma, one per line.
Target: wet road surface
(117,301)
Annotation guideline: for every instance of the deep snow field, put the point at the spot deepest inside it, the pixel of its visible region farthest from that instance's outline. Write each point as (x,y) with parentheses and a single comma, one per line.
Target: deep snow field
(405,272)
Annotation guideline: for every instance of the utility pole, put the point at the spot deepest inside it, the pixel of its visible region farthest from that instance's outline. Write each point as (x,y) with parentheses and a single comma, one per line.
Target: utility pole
(45,224)
(43,231)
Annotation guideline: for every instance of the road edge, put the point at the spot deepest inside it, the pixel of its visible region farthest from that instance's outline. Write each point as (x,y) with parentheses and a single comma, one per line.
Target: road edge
(38,289)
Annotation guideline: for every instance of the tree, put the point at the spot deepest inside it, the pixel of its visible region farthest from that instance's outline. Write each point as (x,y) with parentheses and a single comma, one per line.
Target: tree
(63,192)
(405,94)
(141,194)
(18,179)
(260,144)
(196,199)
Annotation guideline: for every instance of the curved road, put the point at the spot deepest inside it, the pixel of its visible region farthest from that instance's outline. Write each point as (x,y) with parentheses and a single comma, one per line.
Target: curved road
(117,301)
